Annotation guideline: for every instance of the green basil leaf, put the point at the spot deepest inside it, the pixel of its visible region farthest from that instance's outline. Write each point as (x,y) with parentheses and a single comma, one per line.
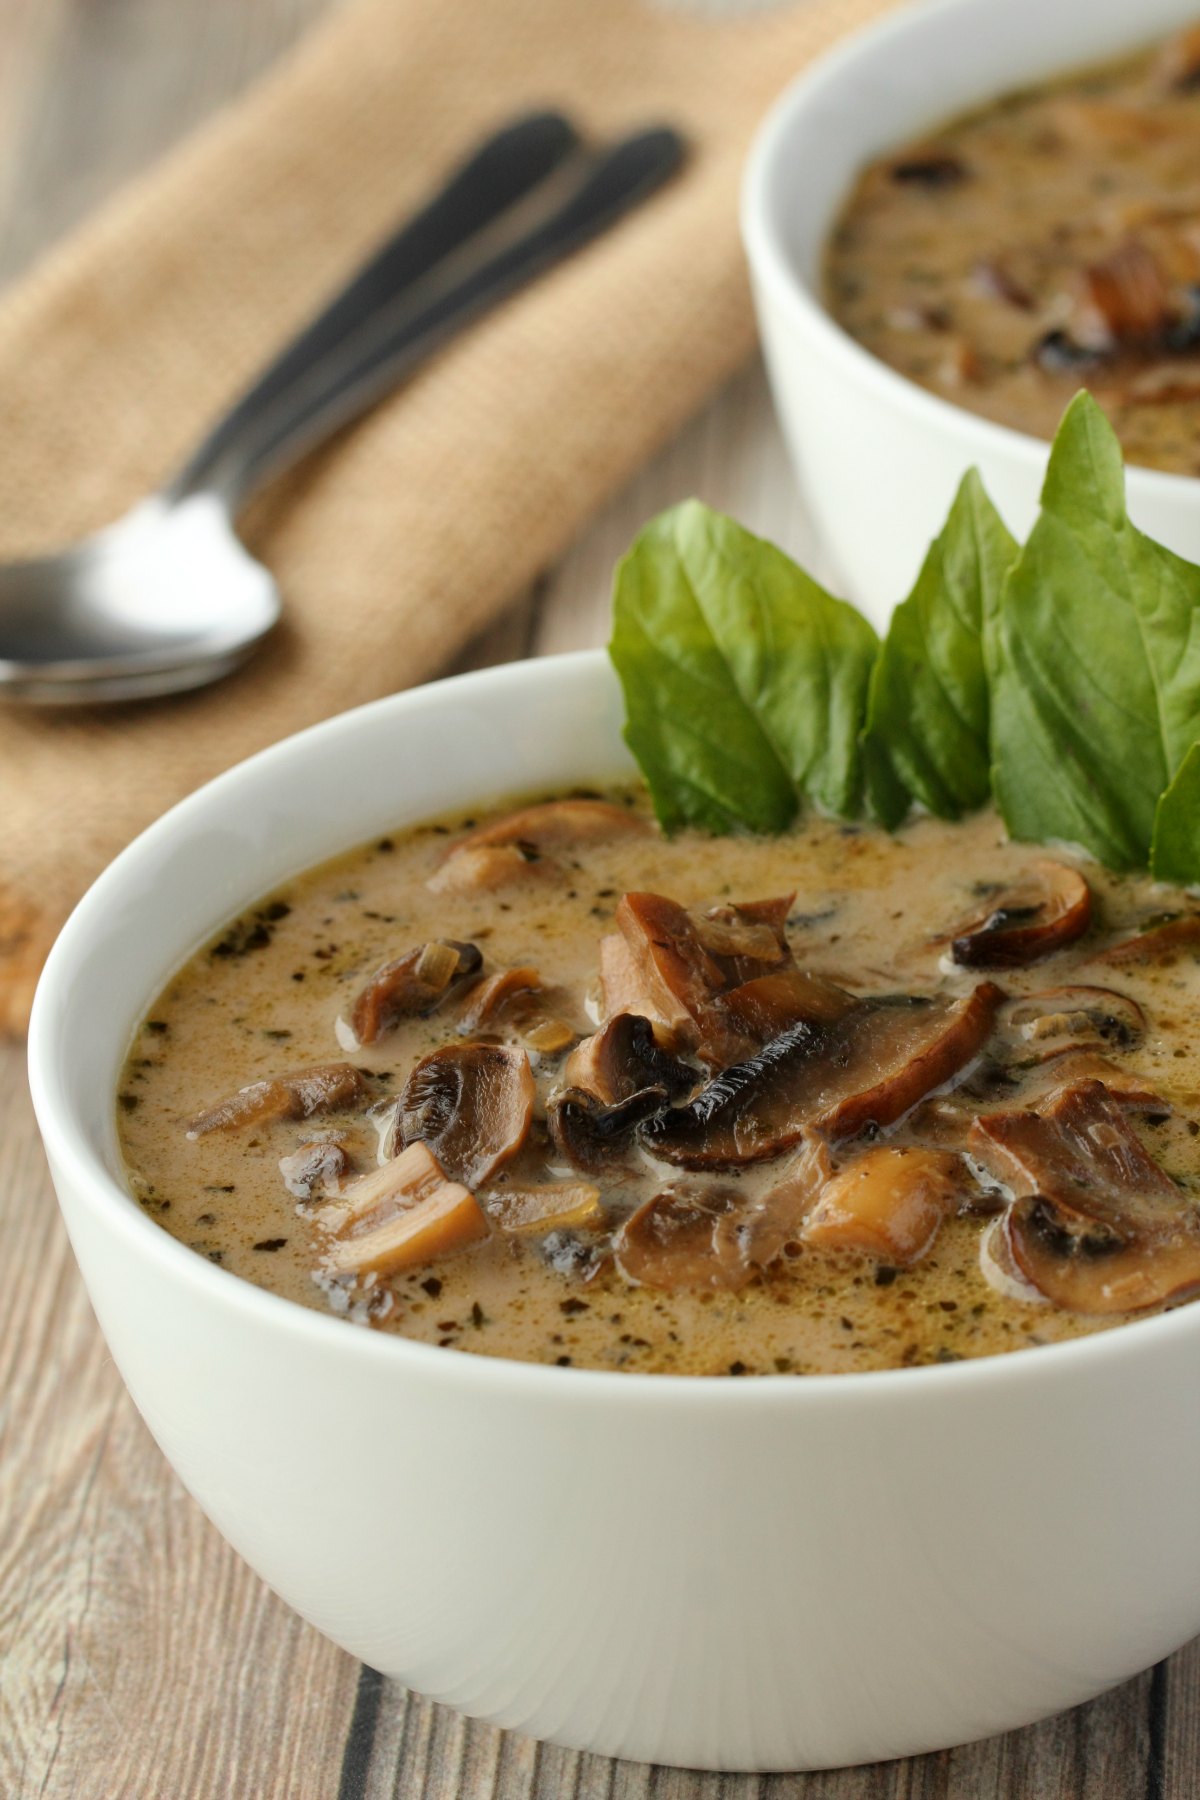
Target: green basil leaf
(927,715)
(1175,850)
(745,682)
(1093,660)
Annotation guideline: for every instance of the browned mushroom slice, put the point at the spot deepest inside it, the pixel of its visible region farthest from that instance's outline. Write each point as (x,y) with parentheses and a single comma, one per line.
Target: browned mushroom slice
(471,1104)
(315,1170)
(675,1242)
(296,1096)
(1096,1225)
(869,1067)
(415,983)
(678,976)
(622,985)
(624,1057)
(1048,908)
(494,994)
(1160,943)
(1124,297)
(400,1215)
(768,1224)
(766,1006)
(888,1203)
(547,1206)
(593,1136)
(909,1049)
(746,940)
(1064,1019)
(522,843)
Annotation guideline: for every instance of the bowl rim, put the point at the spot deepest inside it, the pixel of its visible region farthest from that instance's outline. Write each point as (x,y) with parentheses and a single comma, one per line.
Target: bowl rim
(772,266)
(69,1143)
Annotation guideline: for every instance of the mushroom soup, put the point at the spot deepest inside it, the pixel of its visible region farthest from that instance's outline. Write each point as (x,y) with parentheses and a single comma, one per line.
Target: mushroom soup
(550,1086)
(1047,241)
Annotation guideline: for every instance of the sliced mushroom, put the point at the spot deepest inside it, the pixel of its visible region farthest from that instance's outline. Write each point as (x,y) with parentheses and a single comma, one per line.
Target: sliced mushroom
(547,1206)
(1161,943)
(405,1213)
(867,1068)
(674,1241)
(624,1057)
(679,962)
(494,994)
(888,1203)
(763,1008)
(1124,298)
(315,1170)
(593,1136)
(1047,909)
(746,940)
(775,1220)
(676,972)
(511,848)
(296,1096)
(417,982)
(1064,1019)
(471,1104)
(623,987)
(1096,1225)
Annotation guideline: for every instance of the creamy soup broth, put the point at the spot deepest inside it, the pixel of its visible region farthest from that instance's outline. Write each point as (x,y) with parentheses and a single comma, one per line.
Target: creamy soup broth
(870,912)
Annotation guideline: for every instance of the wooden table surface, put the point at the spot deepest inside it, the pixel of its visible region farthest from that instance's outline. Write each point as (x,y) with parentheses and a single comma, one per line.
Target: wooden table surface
(138,1656)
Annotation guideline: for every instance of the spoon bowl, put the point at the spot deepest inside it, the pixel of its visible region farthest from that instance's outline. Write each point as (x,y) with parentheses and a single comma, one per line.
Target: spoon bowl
(166,598)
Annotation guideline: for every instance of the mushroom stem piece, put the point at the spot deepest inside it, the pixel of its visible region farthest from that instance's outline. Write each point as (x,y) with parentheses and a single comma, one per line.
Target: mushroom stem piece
(295,1096)
(400,1215)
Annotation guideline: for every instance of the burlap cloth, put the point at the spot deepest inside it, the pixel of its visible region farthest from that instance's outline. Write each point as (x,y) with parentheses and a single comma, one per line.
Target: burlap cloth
(410,532)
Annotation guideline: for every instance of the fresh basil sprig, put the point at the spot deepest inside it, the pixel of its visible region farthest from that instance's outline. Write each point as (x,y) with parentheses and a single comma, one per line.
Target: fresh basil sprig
(745,682)
(1063,678)
(926,737)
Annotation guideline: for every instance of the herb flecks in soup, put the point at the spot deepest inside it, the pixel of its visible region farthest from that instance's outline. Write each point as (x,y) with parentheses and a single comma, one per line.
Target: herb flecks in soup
(1048,241)
(551,1086)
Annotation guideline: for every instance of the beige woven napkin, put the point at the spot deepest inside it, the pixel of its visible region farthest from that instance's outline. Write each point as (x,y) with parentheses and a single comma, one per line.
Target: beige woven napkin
(409,533)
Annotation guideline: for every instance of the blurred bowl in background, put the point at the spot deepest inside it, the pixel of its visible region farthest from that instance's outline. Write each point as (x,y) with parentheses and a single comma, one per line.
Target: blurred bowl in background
(879,457)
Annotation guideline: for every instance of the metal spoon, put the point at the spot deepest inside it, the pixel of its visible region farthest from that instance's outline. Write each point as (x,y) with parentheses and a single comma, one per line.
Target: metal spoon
(168,598)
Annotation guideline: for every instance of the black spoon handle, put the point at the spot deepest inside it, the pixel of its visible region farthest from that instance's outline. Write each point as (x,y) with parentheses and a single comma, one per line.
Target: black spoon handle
(465,252)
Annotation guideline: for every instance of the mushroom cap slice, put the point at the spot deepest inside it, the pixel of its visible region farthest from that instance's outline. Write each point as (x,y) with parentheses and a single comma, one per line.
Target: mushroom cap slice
(675,1241)
(888,1203)
(678,962)
(417,982)
(296,1096)
(594,1136)
(624,1057)
(1162,943)
(471,1104)
(492,995)
(1060,1020)
(677,975)
(869,1067)
(520,844)
(1096,1225)
(765,1006)
(1049,908)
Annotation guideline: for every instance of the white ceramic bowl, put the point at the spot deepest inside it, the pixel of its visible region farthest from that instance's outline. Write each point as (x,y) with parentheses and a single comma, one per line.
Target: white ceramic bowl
(879,457)
(768,1574)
